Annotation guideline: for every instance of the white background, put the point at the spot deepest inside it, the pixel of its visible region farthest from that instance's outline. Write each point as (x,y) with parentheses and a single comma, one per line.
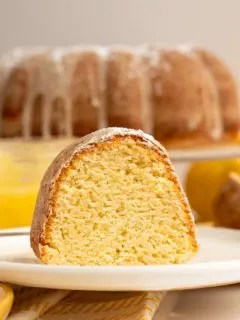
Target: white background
(214,23)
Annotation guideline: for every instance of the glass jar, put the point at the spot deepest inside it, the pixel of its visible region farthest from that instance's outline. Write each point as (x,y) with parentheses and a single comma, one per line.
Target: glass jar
(22,165)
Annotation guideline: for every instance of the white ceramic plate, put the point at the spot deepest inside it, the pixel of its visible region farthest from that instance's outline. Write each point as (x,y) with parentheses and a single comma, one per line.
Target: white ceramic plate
(210,153)
(14,231)
(217,263)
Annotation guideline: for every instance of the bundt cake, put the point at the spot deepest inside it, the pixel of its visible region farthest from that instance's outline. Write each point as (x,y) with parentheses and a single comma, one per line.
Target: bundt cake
(184,96)
(226,208)
(112,198)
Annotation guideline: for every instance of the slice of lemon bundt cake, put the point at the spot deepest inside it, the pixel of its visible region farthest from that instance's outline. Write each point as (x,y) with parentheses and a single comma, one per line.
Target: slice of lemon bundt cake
(113,198)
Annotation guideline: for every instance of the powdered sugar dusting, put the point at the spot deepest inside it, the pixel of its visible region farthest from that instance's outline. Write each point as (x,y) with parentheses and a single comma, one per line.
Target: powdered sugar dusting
(216,133)
(194,122)
(154,57)
(166,66)
(106,134)
(186,48)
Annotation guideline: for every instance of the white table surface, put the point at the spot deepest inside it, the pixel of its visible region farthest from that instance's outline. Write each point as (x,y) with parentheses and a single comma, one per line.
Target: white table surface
(222,303)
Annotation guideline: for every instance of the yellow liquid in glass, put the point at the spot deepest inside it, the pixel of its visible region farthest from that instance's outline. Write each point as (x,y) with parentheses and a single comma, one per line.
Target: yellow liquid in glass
(19,184)
(17,207)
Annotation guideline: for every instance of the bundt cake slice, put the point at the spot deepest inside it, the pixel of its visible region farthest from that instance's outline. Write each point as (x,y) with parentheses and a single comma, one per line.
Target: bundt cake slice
(113,198)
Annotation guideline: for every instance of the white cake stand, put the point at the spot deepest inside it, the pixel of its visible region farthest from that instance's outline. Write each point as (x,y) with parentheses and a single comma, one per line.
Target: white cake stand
(201,154)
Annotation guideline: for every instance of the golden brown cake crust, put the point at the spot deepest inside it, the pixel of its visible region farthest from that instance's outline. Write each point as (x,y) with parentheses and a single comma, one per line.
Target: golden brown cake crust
(12,104)
(44,209)
(85,90)
(184,99)
(227,90)
(127,90)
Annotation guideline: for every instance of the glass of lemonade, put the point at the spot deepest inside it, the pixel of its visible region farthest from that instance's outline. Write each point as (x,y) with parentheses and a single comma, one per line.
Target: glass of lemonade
(22,165)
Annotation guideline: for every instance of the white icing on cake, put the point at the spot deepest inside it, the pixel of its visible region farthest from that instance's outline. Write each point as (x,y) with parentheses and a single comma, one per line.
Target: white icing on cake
(53,75)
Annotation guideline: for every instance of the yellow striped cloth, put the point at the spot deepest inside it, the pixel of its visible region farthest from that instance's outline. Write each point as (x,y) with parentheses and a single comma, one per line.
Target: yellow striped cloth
(33,303)
(6,300)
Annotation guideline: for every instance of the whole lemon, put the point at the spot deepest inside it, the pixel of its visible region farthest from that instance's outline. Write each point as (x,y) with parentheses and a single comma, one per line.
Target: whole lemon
(203,181)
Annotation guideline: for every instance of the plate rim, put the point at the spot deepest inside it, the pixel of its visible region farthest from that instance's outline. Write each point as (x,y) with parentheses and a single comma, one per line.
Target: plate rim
(187,270)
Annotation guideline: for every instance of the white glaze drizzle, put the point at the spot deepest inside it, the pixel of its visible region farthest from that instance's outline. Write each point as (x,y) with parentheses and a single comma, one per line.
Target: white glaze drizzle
(52,78)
